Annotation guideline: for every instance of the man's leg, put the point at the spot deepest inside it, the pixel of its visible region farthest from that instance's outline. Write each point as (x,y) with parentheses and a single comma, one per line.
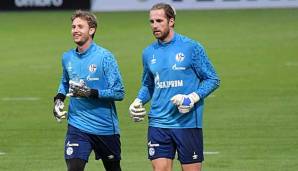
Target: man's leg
(75,164)
(77,149)
(162,164)
(112,165)
(190,148)
(192,167)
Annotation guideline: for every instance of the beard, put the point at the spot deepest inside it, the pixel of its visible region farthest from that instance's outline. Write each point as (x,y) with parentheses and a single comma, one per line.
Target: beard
(81,41)
(161,35)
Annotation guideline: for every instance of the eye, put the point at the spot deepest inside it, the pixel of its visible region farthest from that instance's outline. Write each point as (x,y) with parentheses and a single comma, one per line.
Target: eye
(159,20)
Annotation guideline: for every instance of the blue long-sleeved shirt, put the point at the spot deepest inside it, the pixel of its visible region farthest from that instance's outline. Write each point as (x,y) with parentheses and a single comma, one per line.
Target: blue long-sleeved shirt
(98,68)
(180,66)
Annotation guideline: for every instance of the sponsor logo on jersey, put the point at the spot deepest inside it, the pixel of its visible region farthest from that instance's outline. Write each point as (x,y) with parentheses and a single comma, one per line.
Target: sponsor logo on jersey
(166,84)
(89,78)
(169,84)
(92,68)
(180,57)
(175,67)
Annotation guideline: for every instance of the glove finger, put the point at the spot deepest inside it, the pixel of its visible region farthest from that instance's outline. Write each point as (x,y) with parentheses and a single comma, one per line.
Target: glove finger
(58,119)
(138,114)
(177,100)
(61,114)
(138,110)
(184,109)
(137,119)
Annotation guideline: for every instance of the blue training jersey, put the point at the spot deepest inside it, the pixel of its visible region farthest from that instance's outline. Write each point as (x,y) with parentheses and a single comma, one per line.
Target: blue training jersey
(180,66)
(98,68)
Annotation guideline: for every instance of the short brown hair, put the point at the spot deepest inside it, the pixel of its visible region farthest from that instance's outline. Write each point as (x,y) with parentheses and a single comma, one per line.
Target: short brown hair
(169,10)
(88,16)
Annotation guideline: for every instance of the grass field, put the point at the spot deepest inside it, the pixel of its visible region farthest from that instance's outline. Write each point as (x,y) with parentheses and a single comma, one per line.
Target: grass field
(251,120)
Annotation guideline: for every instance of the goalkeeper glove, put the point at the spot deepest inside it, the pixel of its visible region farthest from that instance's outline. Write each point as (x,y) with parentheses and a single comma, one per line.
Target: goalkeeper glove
(137,111)
(58,111)
(80,89)
(185,102)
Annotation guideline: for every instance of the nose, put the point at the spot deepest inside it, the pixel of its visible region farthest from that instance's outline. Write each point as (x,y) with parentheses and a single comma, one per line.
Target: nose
(74,29)
(154,25)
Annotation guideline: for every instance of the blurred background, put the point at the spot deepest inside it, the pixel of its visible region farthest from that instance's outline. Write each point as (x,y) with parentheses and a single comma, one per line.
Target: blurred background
(250,122)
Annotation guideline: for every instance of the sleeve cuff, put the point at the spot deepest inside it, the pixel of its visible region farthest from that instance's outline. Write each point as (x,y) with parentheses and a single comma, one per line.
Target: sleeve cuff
(94,93)
(60,96)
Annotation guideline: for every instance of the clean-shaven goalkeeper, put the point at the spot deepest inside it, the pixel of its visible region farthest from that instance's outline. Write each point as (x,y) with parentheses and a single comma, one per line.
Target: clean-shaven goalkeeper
(177,77)
(92,81)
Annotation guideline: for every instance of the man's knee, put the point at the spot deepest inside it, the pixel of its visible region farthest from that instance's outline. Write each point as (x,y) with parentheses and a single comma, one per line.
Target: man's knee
(112,165)
(162,164)
(75,164)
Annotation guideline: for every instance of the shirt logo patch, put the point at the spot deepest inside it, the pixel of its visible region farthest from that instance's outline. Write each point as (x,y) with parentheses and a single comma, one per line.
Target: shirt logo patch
(69,67)
(92,68)
(153,60)
(180,57)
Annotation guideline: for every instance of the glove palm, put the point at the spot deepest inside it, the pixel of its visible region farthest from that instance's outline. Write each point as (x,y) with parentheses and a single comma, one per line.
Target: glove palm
(78,89)
(137,111)
(58,111)
(185,102)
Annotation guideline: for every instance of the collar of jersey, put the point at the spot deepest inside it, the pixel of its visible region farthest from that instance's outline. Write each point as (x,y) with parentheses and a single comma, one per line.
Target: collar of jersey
(169,42)
(87,51)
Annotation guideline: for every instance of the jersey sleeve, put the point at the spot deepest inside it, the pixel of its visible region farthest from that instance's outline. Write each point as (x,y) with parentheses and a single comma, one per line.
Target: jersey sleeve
(205,72)
(115,88)
(147,89)
(64,85)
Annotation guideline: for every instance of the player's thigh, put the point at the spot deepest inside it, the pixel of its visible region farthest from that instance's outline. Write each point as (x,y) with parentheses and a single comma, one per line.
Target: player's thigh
(77,144)
(160,144)
(75,164)
(189,145)
(162,164)
(107,147)
(191,167)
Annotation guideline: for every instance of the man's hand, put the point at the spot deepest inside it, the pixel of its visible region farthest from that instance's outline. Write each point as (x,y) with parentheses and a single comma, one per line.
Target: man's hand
(137,111)
(59,114)
(185,102)
(78,89)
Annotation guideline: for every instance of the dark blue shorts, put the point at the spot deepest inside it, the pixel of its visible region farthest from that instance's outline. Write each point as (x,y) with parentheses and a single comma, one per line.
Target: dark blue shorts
(79,144)
(164,142)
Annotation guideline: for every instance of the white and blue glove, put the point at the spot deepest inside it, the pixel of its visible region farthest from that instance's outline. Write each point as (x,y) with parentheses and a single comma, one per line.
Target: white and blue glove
(137,111)
(185,102)
(58,111)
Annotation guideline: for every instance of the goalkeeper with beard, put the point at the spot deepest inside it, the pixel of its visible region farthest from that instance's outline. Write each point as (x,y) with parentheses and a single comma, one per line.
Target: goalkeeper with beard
(177,77)
(92,80)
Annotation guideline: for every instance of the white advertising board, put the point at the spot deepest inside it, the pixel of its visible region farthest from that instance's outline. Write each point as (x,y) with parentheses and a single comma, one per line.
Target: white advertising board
(132,5)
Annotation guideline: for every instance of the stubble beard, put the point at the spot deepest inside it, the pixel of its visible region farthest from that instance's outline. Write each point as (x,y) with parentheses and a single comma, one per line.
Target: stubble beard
(163,35)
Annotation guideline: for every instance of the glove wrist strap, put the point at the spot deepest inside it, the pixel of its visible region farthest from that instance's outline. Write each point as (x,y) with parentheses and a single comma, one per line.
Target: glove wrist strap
(93,93)
(60,96)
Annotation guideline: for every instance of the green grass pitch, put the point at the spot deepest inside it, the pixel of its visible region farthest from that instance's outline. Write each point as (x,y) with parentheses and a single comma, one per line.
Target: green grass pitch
(251,120)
